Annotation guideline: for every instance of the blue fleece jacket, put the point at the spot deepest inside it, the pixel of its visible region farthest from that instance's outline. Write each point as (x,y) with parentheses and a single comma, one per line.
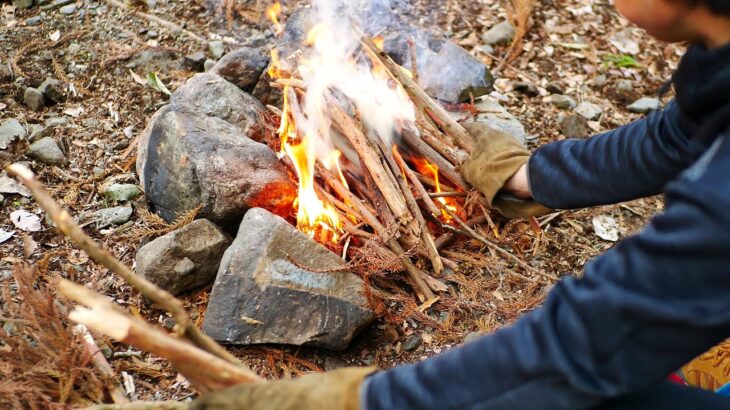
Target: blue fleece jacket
(641,310)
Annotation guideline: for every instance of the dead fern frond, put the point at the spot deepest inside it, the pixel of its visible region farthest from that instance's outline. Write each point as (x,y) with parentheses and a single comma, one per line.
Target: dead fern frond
(518,12)
(155,226)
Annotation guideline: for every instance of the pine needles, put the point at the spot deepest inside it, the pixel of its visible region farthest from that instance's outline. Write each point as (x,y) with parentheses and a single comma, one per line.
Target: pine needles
(43,364)
(155,226)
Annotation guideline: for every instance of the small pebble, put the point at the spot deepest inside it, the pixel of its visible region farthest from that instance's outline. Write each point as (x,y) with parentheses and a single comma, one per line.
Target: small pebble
(528,89)
(589,111)
(208,65)
(122,192)
(47,151)
(216,49)
(33,21)
(501,33)
(555,88)
(68,9)
(644,105)
(34,99)
(412,343)
(562,101)
(575,126)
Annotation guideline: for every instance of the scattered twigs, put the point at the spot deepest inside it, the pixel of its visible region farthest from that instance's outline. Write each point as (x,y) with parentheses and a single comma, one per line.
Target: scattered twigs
(422,101)
(204,371)
(446,238)
(496,247)
(68,227)
(175,28)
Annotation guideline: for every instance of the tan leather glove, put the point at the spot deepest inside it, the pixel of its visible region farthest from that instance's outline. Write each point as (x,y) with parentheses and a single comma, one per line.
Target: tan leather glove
(496,158)
(337,390)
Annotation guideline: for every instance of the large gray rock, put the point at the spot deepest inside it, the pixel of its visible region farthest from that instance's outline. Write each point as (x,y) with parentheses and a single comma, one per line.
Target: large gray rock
(243,67)
(185,259)
(187,159)
(11,130)
(212,95)
(275,285)
(445,71)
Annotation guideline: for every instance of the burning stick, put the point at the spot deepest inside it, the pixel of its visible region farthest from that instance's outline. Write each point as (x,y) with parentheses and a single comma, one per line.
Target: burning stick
(428,153)
(427,201)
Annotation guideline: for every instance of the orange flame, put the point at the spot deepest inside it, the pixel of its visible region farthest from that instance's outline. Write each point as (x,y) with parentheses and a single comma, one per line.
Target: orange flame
(315,217)
(273,12)
(448,203)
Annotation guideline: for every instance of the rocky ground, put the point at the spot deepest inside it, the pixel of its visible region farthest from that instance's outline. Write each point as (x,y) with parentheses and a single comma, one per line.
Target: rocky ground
(74,90)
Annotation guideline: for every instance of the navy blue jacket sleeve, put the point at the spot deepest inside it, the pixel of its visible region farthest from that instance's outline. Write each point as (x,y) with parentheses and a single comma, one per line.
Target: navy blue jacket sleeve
(633,161)
(641,311)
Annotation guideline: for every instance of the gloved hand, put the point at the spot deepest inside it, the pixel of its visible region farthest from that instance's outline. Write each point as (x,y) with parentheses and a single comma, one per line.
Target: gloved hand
(495,159)
(337,390)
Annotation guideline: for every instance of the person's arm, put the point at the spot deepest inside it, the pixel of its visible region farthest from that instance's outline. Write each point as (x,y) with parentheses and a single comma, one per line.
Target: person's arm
(642,310)
(633,161)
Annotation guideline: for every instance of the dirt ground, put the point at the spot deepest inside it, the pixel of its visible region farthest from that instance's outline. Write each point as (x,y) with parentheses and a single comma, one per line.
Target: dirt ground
(567,43)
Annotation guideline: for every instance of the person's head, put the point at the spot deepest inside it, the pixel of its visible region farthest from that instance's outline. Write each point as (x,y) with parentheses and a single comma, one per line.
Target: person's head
(696,21)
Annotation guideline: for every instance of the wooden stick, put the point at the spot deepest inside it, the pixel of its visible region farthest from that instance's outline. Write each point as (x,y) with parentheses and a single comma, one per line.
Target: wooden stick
(116,392)
(68,227)
(425,151)
(446,238)
(142,405)
(426,238)
(205,371)
(427,201)
(372,160)
(450,126)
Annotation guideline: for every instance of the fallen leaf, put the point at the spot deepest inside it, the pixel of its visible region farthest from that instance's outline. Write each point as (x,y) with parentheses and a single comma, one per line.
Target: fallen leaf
(250,321)
(606,228)
(154,81)
(29,245)
(74,112)
(624,43)
(10,186)
(55,36)
(5,235)
(25,220)
(137,79)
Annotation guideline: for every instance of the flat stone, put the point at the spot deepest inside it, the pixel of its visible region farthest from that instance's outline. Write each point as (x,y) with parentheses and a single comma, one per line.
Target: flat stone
(446,71)
(34,99)
(10,130)
(589,111)
(266,292)
(562,101)
(187,159)
(122,192)
(113,216)
(625,86)
(11,186)
(47,151)
(575,126)
(22,4)
(555,87)
(645,105)
(526,88)
(68,9)
(33,21)
(242,67)
(497,117)
(501,33)
(209,64)
(57,122)
(52,89)
(185,259)
(212,95)
(216,49)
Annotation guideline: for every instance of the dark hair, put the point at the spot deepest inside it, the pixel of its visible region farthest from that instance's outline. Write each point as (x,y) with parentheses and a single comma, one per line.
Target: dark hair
(717,6)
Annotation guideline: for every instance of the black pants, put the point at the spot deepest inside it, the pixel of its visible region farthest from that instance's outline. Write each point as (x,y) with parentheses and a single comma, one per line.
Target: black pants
(669,396)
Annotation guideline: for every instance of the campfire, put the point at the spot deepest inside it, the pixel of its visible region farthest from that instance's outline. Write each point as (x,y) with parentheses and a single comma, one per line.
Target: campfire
(375,157)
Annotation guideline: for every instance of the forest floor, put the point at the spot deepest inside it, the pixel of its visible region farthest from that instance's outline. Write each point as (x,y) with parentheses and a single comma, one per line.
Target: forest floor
(571,43)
